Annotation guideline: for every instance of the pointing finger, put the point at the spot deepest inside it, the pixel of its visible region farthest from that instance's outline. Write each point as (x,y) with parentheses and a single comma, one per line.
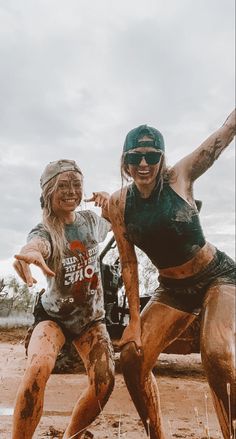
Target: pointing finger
(91,198)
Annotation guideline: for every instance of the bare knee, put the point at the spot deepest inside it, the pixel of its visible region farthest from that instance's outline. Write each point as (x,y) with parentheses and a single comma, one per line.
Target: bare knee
(219,356)
(129,355)
(40,366)
(131,361)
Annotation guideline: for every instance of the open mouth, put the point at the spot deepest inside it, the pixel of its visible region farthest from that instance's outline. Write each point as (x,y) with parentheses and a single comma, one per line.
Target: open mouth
(69,200)
(143,172)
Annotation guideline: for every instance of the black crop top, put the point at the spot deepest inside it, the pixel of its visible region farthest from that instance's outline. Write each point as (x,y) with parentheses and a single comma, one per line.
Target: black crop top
(164,226)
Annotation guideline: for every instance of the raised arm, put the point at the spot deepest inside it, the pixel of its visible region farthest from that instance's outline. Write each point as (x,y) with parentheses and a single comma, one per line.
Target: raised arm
(34,252)
(196,163)
(129,269)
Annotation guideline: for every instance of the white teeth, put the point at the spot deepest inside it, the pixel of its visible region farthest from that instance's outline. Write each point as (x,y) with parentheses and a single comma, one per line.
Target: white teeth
(143,172)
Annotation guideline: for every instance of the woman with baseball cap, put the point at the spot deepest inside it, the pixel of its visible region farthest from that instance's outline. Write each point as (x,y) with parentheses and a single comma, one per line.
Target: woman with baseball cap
(158,214)
(65,246)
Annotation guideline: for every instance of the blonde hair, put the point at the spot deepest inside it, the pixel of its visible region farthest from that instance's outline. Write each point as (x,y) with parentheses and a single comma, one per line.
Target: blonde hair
(53,224)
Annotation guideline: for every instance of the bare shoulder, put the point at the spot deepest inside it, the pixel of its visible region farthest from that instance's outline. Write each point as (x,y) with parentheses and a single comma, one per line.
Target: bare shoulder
(117,201)
(116,213)
(117,196)
(180,184)
(175,175)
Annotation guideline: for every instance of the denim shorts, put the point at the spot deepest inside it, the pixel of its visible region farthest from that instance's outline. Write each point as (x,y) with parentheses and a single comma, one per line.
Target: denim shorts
(188,294)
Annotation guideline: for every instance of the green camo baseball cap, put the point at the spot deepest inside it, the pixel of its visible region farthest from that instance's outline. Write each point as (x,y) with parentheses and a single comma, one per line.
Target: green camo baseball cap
(132,138)
(57,167)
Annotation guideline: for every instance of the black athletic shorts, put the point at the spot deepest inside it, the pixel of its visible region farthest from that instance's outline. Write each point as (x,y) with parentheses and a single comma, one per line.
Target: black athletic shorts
(188,294)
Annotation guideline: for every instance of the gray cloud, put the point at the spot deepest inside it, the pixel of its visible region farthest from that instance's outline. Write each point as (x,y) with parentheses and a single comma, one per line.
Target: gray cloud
(75,79)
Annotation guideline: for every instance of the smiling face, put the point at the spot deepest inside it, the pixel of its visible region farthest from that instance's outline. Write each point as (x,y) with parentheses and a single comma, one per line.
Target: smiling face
(143,173)
(68,193)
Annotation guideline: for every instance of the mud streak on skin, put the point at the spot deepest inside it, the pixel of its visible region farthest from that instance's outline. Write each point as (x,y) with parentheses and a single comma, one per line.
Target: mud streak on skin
(101,367)
(27,412)
(206,157)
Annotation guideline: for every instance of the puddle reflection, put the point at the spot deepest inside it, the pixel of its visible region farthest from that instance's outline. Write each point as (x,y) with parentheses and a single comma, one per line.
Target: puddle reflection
(8,411)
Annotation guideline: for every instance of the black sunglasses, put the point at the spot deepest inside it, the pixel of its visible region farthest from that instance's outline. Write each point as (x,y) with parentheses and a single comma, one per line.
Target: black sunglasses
(135,158)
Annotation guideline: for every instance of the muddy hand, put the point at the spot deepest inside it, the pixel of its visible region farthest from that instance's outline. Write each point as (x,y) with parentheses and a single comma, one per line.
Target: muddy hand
(22,267)
(100,199)
(132,333)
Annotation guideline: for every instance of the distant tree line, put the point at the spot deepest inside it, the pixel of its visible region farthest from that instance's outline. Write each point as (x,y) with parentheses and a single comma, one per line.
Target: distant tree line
(15,295)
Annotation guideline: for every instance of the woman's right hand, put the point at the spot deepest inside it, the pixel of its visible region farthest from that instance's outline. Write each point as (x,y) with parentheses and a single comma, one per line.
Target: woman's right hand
(132,333)
(23,261)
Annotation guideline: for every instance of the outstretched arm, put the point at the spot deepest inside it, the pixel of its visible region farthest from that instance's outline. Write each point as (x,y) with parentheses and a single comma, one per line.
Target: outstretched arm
(129,270)
(34,252)
(196,163)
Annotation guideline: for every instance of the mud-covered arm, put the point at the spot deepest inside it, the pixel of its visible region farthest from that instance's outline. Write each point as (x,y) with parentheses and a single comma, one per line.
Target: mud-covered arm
(196,163)
(34,252)
(129,269)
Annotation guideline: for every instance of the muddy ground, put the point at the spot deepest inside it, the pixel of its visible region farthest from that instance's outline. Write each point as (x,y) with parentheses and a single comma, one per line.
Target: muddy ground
(185,398)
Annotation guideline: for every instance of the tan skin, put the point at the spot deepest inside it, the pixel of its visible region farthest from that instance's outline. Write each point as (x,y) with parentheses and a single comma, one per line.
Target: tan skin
(47,339)
(149,334)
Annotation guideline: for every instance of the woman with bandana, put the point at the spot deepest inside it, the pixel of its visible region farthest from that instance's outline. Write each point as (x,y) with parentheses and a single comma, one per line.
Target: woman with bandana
(157,213)
(65,246)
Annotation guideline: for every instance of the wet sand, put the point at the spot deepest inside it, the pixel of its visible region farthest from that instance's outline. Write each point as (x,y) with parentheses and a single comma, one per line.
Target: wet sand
(183,388)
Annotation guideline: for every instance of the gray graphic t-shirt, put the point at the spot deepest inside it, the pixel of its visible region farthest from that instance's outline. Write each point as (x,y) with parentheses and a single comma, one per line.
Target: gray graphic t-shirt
(75,295)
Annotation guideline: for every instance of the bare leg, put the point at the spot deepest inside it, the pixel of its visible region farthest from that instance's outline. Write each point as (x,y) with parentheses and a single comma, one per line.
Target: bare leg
(45,343)
(96,351)
(161,325)
(218,352)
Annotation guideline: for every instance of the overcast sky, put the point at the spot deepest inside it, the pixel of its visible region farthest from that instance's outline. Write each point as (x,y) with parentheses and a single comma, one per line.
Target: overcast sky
(77,75)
